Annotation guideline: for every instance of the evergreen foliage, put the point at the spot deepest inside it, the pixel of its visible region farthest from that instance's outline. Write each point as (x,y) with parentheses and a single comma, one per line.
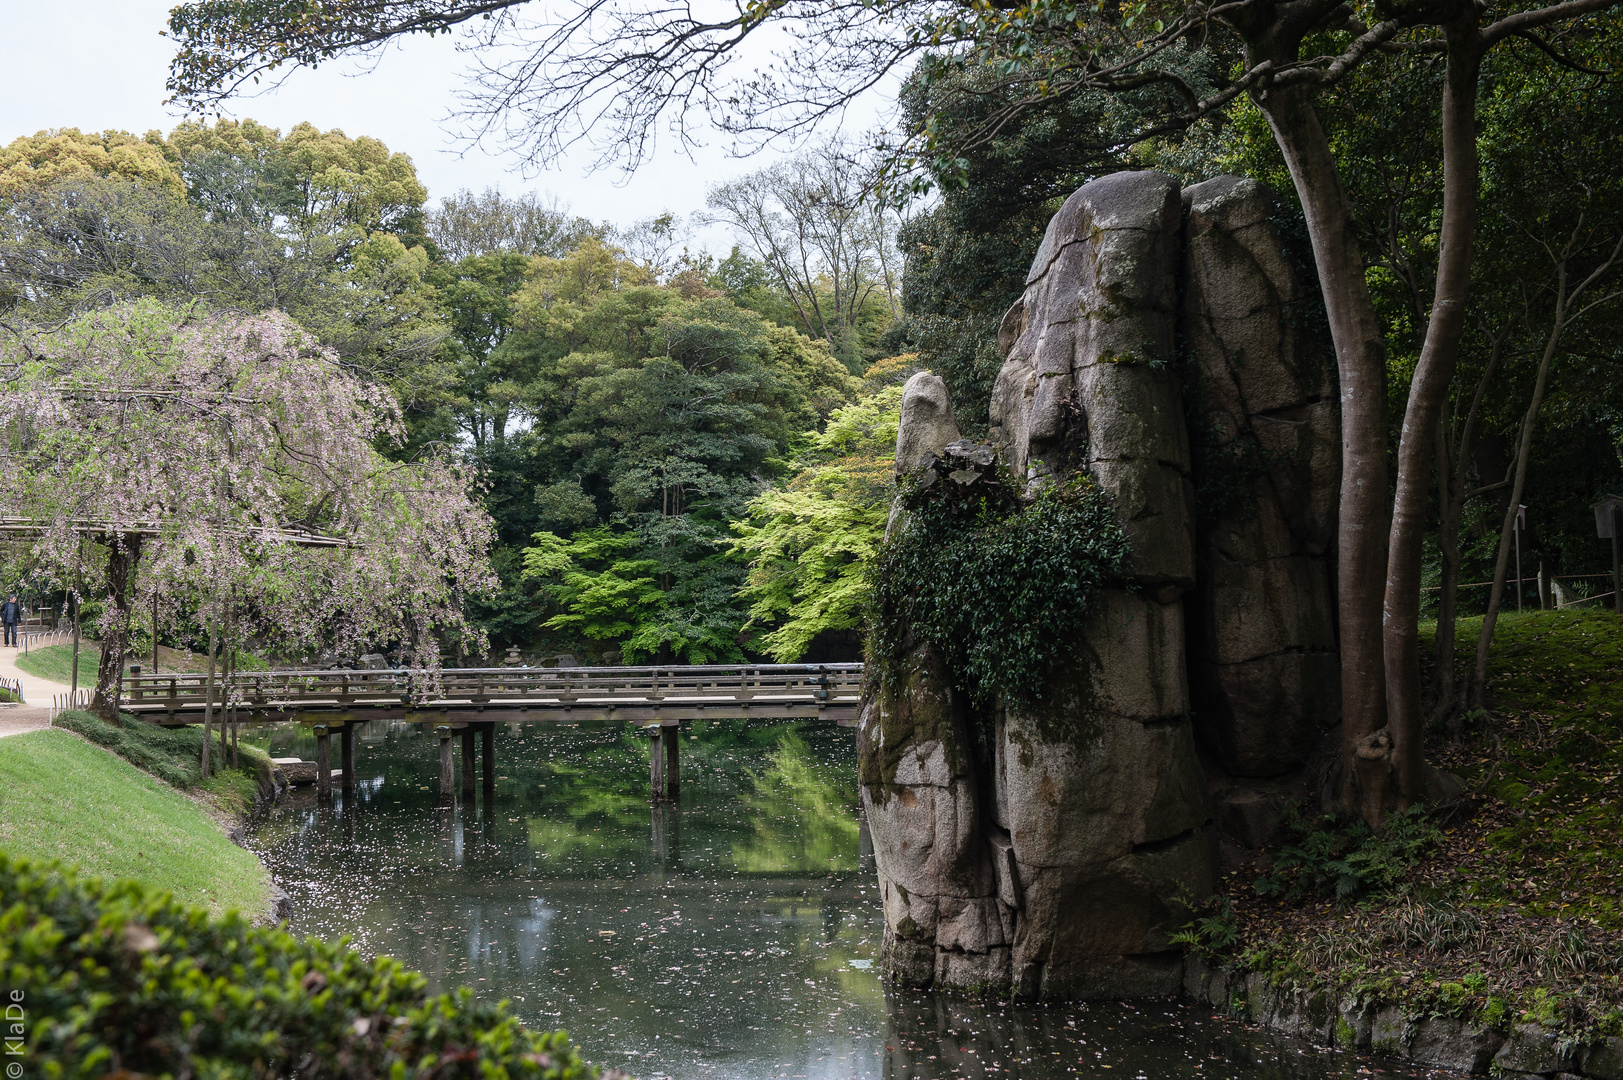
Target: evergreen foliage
(118,980)
(999,587)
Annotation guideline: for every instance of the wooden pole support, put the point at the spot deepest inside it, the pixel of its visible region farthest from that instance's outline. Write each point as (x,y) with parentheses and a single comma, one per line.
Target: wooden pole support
(467,762)
(447,772)
(670,735)
(656,765)
(346,754)
(487,740)
(323,762)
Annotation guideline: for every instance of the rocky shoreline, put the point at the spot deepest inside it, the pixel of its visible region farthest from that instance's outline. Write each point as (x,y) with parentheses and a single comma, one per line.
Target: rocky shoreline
(1387,1030)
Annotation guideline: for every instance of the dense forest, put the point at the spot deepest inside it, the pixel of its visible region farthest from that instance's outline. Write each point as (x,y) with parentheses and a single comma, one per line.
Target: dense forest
(687,457)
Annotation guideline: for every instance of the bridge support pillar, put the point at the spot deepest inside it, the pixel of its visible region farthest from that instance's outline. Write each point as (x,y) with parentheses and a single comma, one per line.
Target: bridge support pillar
(467,762)
(487,747)
(323,762)
(447,773)
(656,764)
(346,755)
(670,737)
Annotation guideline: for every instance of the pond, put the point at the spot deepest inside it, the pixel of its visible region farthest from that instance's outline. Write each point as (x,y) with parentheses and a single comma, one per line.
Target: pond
(733,935)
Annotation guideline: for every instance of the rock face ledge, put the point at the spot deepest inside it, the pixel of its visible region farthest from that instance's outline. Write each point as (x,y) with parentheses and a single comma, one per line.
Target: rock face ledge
(1055,859)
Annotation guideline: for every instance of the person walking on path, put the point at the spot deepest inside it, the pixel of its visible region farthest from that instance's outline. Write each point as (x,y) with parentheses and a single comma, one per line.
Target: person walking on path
(11,613)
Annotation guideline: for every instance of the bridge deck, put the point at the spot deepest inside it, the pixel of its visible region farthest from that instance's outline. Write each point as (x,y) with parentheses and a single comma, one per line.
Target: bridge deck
(458,696)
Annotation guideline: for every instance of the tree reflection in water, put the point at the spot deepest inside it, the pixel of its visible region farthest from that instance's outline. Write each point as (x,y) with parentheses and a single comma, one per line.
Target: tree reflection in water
(733,935)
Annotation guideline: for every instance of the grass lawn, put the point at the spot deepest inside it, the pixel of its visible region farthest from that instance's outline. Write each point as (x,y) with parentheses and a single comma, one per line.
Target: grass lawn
(55,662)
(64,798)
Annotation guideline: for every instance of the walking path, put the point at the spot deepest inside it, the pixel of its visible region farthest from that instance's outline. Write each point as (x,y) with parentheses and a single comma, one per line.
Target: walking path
(16,719)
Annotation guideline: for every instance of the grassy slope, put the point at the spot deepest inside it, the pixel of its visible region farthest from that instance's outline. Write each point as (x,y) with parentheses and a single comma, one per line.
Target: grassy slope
(55,662)
(1548,762)
(63,798)
(1515,912)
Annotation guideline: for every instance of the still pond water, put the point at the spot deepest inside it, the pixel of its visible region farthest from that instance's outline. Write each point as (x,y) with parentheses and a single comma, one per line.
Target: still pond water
(733,936)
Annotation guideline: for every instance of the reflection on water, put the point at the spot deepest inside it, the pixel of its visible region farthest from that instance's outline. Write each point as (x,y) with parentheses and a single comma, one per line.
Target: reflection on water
(734,935)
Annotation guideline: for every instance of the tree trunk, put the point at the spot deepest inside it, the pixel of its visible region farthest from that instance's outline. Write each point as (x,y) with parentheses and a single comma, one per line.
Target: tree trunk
(233,701)
(1450,508)
(208,701)
(1453,493)
(1524,446)
(1428,391)
(1360,359)
(124,553)
(1564,311)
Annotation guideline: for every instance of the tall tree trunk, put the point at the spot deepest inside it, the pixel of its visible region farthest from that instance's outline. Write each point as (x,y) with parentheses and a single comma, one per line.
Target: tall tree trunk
(1524,446)
(124,553)
(1564,311)
(225,676)
(1454,477)
(208,700)
(1360,358)
(1428,391)
(233,701)
(1449,510)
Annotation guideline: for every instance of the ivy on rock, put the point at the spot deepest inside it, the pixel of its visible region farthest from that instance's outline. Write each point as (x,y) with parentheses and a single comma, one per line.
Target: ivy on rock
(998,581)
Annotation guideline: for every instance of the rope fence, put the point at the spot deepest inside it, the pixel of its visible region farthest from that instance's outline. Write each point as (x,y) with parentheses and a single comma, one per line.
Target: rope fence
(1522,582)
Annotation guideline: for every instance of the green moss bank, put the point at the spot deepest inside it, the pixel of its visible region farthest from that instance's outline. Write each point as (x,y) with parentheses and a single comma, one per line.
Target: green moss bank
(1500,944)
(62,798)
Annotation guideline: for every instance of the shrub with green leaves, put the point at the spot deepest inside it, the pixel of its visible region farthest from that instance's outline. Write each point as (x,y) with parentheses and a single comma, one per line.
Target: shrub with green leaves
(118,980)
(1337,857)
(1000,587)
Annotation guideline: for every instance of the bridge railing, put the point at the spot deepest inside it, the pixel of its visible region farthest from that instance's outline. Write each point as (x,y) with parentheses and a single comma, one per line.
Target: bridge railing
(478,686)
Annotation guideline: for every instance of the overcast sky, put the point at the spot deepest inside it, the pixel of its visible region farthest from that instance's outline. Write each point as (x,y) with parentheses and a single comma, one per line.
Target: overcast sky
(97,64)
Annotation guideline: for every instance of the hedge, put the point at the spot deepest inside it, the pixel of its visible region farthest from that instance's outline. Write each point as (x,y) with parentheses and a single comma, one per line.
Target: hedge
(116,979)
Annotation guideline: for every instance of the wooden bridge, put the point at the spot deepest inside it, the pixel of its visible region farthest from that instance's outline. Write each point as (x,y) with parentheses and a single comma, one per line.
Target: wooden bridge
(459,702)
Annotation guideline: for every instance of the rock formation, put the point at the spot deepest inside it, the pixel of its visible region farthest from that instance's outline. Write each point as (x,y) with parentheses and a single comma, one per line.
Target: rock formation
(1055,859)
(1263,663)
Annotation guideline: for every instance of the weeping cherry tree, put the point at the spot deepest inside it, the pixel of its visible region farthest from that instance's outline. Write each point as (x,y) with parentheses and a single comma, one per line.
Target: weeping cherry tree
(227,466)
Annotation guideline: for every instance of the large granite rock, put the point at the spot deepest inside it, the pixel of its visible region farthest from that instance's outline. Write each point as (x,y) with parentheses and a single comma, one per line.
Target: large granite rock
(1056,861)
(1263,664)
(1088,382)
(927,421)
(1049,850)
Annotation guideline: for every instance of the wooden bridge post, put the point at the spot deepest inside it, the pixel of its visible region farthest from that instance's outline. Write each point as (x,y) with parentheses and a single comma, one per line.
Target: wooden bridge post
(656,764)
(670,735)
(346,754)
(467,762)
(323,762)
(447,773)
(487,739)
